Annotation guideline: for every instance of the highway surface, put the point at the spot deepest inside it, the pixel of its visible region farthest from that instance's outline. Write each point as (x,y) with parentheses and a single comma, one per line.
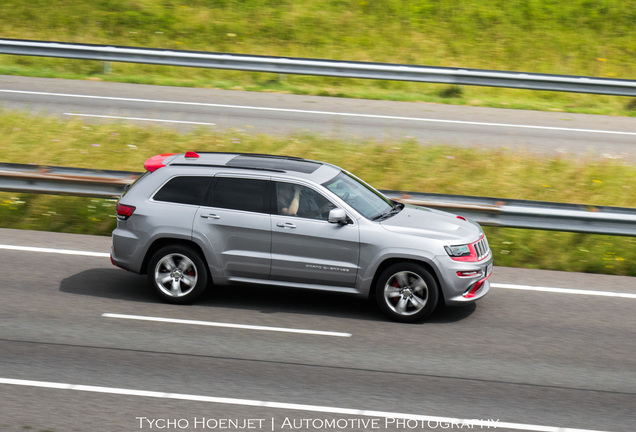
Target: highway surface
(85,346)
(185,108)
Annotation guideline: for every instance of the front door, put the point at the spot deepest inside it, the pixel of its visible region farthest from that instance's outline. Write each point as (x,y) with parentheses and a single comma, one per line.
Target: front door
(306,248)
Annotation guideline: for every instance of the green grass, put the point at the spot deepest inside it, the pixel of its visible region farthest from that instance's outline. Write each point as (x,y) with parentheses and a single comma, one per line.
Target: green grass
(403,165)
(578,37)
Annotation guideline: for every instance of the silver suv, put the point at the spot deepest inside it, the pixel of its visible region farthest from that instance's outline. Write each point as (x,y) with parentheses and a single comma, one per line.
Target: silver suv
(199,219)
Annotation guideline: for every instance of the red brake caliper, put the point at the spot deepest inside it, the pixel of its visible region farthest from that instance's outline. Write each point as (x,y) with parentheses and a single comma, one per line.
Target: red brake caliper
(395,299)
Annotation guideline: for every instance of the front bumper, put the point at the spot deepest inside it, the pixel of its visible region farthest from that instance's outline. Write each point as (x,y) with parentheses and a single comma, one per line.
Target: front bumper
(465,282)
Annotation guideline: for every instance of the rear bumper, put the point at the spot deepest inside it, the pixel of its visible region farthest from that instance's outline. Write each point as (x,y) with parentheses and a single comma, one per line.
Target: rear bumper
(125,251)
(117,262)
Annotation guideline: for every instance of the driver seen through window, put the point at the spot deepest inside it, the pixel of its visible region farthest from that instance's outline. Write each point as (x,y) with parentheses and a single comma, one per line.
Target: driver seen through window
(301,201)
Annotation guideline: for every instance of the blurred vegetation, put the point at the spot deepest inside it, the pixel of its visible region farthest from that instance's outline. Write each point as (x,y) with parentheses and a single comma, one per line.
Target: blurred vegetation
(578,37)
(403,165)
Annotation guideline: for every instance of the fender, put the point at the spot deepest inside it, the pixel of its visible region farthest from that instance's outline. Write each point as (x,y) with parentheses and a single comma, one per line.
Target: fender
(376,263)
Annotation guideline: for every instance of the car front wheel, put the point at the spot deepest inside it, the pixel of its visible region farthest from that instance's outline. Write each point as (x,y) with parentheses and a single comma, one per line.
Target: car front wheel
(177,274)
(406,292)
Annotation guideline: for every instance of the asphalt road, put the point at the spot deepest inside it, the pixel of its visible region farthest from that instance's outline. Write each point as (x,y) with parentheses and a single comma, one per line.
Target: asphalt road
(185,108)
(86,347)
(79,353)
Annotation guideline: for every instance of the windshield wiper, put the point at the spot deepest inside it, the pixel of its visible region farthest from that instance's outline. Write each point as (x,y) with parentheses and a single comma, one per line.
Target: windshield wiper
(389,213)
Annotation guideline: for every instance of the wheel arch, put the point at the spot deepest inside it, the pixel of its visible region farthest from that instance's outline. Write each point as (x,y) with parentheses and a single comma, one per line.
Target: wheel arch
(165,241)
(394,260)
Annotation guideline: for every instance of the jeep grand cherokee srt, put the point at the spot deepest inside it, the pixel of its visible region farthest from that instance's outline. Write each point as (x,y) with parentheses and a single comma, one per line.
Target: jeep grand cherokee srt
(195,220)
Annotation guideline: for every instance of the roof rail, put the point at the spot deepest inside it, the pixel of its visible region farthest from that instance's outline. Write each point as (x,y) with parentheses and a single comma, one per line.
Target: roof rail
(228,167)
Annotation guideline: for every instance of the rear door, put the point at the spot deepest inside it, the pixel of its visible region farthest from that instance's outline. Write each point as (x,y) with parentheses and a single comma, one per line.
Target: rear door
(234,224)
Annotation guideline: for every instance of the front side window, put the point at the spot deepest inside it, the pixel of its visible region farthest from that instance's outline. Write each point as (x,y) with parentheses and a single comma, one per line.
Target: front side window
(302,201)
(184,190)
(362,197)
(241,194)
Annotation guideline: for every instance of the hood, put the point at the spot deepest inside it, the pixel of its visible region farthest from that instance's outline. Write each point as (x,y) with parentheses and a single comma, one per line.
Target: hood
(430,223)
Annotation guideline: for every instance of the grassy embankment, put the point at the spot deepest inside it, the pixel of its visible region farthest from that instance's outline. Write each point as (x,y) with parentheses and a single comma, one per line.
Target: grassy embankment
(577,37)
(384,164)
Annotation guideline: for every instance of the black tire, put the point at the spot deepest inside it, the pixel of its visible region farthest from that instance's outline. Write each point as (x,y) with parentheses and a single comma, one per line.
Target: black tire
(177,274)
(406,292)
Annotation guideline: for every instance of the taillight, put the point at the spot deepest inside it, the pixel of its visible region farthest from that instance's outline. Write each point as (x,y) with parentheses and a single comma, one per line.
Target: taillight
(124,211)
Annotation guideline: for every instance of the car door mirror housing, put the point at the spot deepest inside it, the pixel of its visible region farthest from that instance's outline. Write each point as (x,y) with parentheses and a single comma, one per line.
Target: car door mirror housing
(338,216)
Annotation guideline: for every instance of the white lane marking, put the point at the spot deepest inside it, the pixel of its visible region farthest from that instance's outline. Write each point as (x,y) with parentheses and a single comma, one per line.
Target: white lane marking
(373,116)
(227,325)
(57,251)
(494,285)
(141,119)
(564,290)
(436,420)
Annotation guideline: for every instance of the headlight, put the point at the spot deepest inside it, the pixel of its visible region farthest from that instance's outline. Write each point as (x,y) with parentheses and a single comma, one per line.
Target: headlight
(458,251)
(471,252)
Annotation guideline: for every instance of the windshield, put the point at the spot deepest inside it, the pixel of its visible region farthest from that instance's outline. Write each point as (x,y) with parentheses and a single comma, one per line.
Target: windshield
(363,198)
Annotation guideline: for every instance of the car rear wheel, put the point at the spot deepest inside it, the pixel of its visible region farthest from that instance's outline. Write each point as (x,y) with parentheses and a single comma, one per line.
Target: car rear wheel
(406,292)
(177,274)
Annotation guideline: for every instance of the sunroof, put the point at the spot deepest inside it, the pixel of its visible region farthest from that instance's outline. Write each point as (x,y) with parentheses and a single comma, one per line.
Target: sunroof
(274,163)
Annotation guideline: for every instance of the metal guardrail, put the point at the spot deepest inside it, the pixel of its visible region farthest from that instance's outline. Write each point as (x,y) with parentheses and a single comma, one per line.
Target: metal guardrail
(301,66)
(486,211)
(54,180)
(539,215)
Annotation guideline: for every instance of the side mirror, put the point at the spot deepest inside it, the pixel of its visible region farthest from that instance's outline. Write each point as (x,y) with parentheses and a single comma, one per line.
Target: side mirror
(338,216)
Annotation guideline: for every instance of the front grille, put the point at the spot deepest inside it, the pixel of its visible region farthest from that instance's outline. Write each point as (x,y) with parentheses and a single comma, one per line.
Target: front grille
(481,248)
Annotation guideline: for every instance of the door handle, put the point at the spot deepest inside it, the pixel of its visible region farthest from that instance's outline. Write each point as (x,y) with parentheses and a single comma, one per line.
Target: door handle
(285,225)
(210,216)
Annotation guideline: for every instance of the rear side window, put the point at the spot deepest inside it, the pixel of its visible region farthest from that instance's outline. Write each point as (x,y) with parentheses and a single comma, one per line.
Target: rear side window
(241,194)
(184,190)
